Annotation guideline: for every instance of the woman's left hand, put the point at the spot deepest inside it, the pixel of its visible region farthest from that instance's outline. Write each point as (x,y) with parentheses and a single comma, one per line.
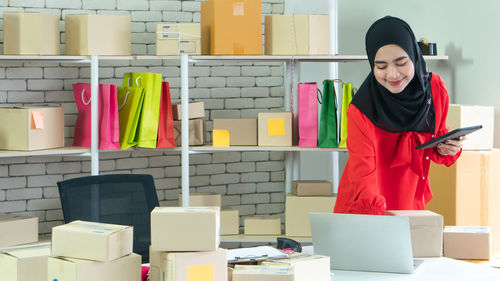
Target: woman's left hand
(450,147)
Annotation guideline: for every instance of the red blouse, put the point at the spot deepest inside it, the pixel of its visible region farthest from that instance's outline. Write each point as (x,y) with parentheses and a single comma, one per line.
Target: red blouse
(384,170)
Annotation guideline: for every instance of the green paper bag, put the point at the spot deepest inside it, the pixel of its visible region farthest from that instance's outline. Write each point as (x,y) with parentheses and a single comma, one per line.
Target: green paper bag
(150,114)
(347,92)
(327,136)
(129,111)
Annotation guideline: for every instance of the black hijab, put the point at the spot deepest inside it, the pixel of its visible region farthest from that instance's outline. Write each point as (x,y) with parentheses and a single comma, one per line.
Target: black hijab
(410,110)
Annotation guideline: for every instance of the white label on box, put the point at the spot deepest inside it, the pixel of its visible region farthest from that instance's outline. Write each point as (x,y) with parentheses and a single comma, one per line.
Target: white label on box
(467,229)
(238,9)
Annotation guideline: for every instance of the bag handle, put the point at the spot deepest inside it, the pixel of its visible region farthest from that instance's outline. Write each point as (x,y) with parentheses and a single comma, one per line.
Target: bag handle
(320,94)
(124,102)
(136,81)
(83,98)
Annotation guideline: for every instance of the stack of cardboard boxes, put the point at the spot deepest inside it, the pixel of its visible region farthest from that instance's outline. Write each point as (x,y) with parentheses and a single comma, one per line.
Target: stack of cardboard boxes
(173,39)
(196,123)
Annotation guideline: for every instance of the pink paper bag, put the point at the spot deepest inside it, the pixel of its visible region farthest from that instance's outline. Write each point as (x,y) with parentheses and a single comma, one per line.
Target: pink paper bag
(308,114)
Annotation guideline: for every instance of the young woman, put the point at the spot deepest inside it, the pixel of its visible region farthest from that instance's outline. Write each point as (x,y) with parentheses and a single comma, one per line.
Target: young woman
(399,106)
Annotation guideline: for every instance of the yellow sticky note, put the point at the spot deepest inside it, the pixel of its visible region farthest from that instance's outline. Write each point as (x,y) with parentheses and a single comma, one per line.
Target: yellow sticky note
(38,119)
(221,138)
(276,127)
(203,272)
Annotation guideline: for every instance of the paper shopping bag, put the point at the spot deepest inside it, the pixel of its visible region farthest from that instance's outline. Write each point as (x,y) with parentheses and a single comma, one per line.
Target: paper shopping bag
(166,121)
(130,106)
(347,92)
(327,136)
(308,114)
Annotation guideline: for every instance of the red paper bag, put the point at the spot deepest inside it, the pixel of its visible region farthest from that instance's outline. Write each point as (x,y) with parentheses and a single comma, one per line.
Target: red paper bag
(166,122)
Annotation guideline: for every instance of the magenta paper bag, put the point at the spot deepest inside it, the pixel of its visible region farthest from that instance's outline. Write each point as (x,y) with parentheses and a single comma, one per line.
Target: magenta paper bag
(308,114)
(109,132)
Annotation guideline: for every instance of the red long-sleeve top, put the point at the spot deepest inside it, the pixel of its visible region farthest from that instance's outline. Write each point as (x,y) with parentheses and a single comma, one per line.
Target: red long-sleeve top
(384,170)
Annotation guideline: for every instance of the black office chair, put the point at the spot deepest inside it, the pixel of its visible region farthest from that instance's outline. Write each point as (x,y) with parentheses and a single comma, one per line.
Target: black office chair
(118,199)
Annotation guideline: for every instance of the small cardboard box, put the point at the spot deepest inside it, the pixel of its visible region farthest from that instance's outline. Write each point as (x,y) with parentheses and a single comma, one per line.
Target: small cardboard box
(468,115)
(31,34)
(312,188)
(229,221)
(275,129)
(305,267)
(173,39)
(31,128)
(196,132)
(262,225)
(203,199)
(178,229)
(263,273)
(297,211)
(92,240)
(231,27)
(98,35)
(194,266)
(467,242)
(196,110)
(426,229)
(127,268)
(297,35)
(24,264)
(241,131)
(17,230)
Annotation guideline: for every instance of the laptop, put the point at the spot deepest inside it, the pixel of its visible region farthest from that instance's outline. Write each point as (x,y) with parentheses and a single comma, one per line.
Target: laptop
(364,242)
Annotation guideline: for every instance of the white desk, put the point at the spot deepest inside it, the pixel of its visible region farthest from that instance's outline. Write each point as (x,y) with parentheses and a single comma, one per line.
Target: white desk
(432,269)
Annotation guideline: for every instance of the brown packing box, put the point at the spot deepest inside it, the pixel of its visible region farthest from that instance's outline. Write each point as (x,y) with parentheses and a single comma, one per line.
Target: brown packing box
(173,39)
(31,128)
(92,240)
(241,131)
(229,221)
(196,132)
(196,110)
(176,229)
(200,199)
(127,268)
(262,225)
(231,27)
(275,129)
(17,230)
(312,188)
(31,34)
(297,211)
(469,115)
(467,242)
(426,229)
(305,267)
(98,35)
(263,273)
(188,266)
(24,263)
(297,35)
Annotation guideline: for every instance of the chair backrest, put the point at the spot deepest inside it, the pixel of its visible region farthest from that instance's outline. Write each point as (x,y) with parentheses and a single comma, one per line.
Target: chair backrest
(125,199)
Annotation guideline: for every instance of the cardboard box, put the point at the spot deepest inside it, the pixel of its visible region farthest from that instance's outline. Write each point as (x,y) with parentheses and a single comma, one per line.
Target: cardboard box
(263,273)
(490,198)
(262,225)
(312,188)
(305,267)
(426,229)
(231,27)
(31,34)
(24,264)
(98,35)
(467,242)
(17,230)
(178,229)
(468,115)
(196,110)
(196,132)
(297,35)
(297,211)
(31,128)
(203,199)
(229,221)
(194,266)
(173,39)
(241,131)
(275,129)
(127,268)
(92,240)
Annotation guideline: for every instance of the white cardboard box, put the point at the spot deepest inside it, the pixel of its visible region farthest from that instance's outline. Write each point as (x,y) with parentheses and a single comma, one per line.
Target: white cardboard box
(262,225)
(17,230)
(305,267)
(229,221)
(467,242)
(297,211)
(24,263)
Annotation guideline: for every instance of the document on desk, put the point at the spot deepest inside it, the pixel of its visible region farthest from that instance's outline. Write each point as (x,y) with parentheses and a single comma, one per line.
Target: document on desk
(254,253)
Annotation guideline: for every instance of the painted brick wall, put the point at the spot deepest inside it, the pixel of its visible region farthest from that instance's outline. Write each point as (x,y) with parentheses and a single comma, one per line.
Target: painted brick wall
(252,182)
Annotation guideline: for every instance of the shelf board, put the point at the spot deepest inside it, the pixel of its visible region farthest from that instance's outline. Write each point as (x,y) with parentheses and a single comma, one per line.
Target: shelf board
(261,238)
(65,151)
(209,148)
(45,58)
(336,58)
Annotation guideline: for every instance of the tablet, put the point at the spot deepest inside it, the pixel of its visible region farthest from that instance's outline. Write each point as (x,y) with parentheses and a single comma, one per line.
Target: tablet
(455,134)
